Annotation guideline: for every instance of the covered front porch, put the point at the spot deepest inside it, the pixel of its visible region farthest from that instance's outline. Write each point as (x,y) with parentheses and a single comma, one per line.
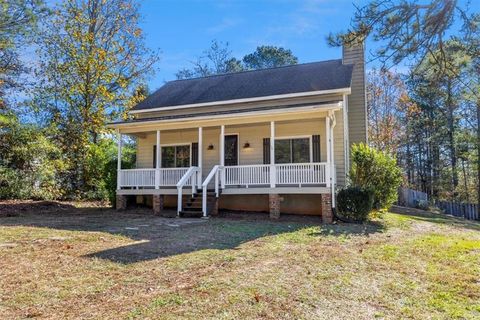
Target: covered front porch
(290,154)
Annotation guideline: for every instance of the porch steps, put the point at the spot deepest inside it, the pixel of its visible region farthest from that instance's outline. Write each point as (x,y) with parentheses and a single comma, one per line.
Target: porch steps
(192,207)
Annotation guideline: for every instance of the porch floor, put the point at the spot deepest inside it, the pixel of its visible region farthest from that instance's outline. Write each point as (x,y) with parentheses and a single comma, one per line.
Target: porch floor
(232,190)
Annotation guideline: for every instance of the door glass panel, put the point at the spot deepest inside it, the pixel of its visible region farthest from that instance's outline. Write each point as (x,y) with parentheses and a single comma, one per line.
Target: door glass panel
(282,151)
(231,150)
(183,156)
(168,157)
(300,150)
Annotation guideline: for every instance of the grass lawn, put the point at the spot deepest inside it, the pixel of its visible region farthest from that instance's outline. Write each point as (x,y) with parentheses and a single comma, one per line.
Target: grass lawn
(94,263)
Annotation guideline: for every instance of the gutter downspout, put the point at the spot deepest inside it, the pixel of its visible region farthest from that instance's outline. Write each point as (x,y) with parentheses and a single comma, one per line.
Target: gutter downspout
(332,156)
(346,139)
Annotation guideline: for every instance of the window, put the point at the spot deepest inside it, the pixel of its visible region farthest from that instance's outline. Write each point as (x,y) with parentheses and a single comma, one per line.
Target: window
(176,156)
(295,150)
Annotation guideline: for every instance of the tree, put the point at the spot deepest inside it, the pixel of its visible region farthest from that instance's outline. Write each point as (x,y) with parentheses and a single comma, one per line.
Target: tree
(420,33)
(215,60)
(405,29)
(30,162)
(447,85)
(471,42)
(18,19)
(218,59)
(92,55)
(138,95)
(424,135)
(269,57)
(386,94)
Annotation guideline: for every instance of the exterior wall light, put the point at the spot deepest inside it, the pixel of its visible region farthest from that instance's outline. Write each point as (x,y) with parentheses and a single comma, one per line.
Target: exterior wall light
(210,147)
(246,145)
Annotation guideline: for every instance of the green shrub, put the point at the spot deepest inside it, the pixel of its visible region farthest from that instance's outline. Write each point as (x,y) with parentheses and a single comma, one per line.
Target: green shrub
(110,177)
(41,163)
(110,168)
(374,170)
(13,184)
(354,204)
(30,162)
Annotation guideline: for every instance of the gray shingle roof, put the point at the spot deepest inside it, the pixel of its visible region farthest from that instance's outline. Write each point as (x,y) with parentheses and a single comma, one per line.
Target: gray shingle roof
(315,76)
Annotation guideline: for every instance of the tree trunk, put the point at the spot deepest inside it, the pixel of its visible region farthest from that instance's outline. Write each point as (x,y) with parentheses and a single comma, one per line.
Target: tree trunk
(436,170)
(408,160)
(451,138)
(478,156)
(465,180)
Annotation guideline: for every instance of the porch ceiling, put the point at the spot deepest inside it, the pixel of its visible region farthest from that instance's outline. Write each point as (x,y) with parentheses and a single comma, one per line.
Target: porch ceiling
(243,117)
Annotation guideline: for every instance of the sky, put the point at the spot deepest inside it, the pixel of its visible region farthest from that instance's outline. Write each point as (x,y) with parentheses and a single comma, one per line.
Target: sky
(183,29)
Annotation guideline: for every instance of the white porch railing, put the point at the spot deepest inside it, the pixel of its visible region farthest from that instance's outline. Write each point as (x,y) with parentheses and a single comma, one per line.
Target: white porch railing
(169,177)
(247,175)
(284,174)
(137,178)
(141,178)
(214,173)
(301,173)
(190,179)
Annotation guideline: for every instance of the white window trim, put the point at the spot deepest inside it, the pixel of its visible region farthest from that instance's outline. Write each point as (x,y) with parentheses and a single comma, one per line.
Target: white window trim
(299,137)
(178,145)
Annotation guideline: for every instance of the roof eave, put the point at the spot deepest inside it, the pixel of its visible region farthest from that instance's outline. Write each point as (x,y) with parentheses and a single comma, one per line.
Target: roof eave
(330,106)
(264,98)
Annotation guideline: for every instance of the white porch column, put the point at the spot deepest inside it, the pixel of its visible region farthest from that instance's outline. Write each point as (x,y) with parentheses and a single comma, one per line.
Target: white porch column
(222,155)
(200,156)
(119,159)
(329,159)
(273,171)
(158,162)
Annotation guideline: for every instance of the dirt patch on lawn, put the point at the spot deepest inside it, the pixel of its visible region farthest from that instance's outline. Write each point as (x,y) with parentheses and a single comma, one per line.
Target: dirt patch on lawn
(259,216)
(10,208)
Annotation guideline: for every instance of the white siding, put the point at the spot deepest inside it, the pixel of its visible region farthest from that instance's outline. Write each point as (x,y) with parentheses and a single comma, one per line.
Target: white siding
(338,148)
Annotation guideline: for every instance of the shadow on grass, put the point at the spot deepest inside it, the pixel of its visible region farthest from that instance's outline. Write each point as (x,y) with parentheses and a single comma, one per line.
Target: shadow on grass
(434,217)
(157,237)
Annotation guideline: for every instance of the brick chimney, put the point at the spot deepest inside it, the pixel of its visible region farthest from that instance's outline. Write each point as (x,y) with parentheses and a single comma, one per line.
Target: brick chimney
(357,103)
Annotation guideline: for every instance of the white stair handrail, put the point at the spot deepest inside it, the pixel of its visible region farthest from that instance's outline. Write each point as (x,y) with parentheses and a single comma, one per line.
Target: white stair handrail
(213,173)
(191,173)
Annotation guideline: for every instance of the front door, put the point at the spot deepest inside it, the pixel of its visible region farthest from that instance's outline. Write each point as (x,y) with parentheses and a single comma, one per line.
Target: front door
(231,150)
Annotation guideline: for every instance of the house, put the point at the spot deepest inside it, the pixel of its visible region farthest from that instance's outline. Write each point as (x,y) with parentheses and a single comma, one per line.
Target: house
(274,140)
